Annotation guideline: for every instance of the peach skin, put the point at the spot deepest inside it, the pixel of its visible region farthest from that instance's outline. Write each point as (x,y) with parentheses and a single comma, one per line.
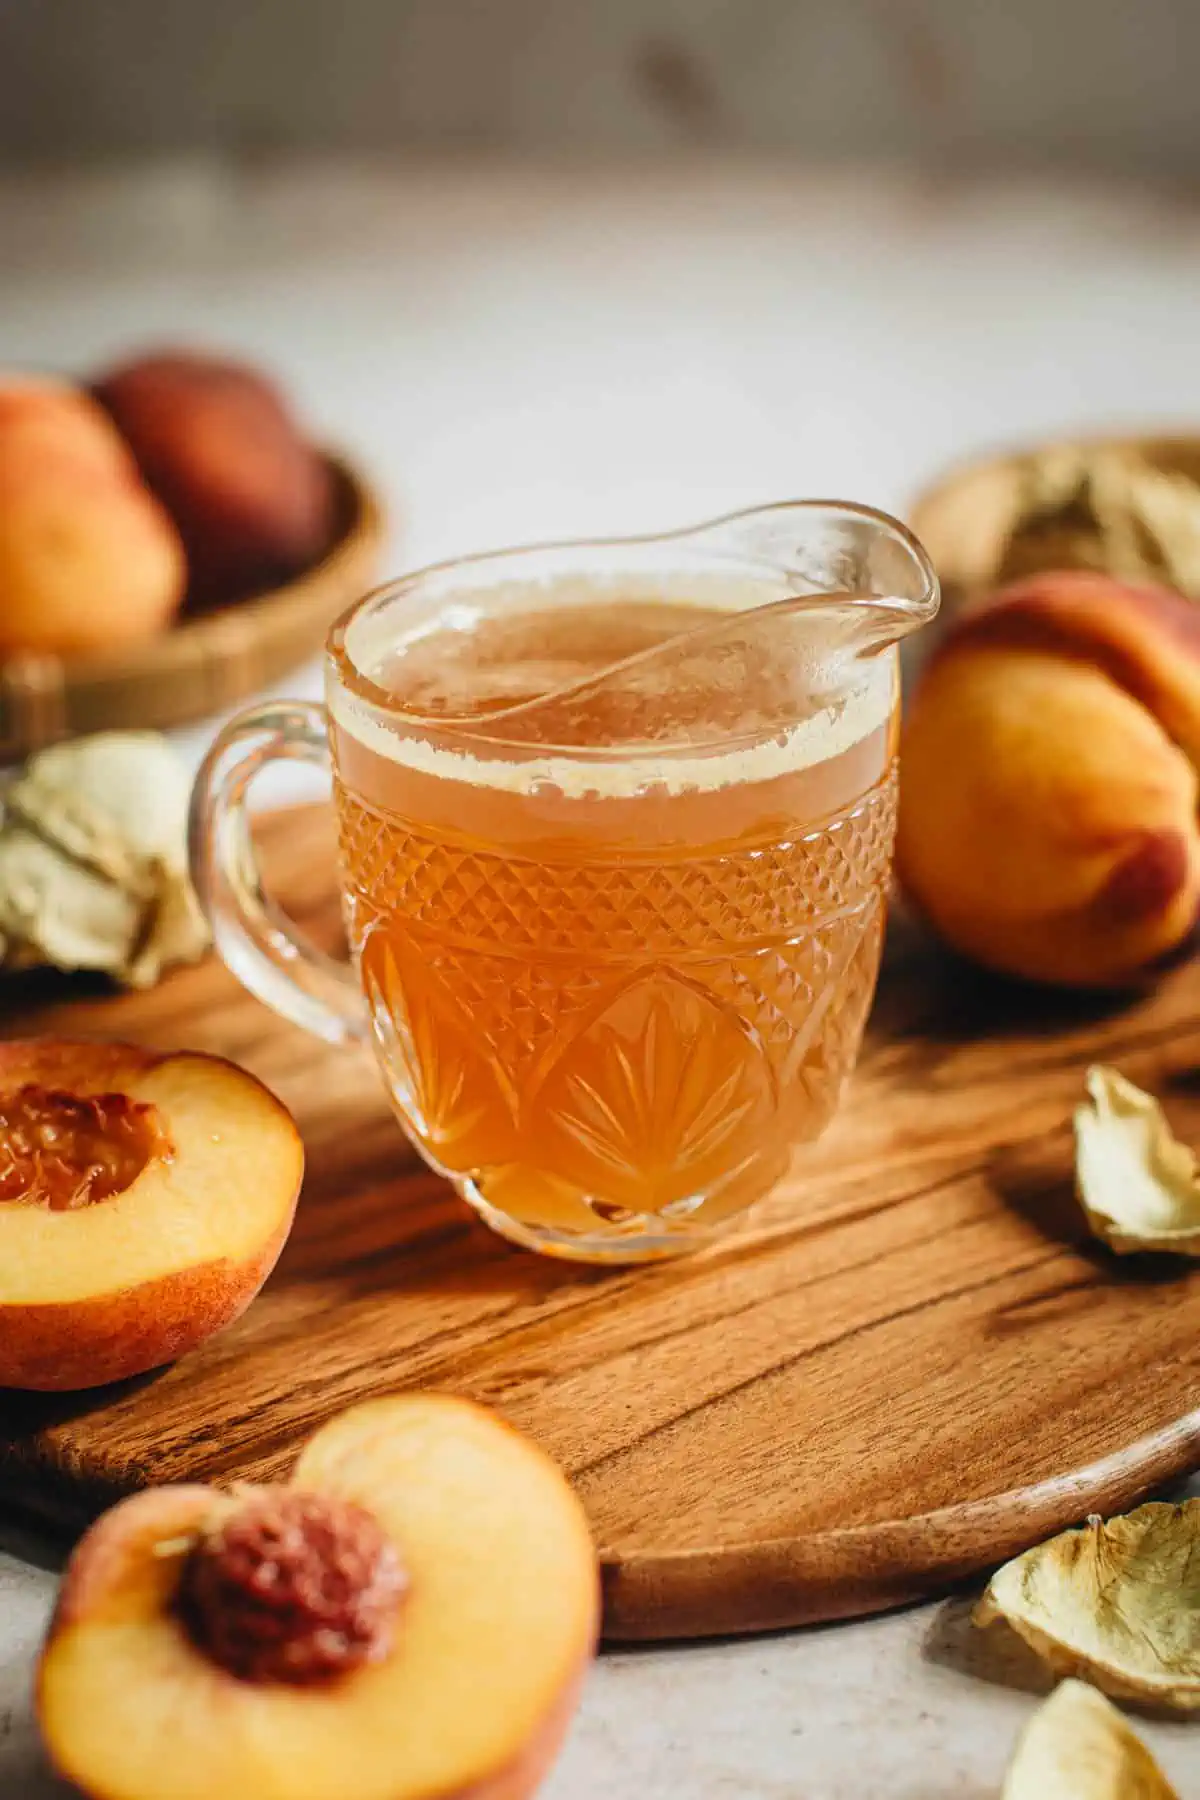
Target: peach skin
(143,1202)
(89,559)
(217,442)
(1049,780)
(410,1618)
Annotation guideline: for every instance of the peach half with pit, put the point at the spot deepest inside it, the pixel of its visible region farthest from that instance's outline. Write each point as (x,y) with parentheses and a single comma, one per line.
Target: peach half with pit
(411,1618)
(144,1200)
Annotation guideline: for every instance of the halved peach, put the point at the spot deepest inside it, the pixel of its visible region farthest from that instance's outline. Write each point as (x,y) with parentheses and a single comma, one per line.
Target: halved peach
(410,1620)
(144,1200)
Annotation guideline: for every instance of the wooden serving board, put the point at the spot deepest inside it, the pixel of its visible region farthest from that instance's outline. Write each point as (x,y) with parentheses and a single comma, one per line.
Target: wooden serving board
(912,1364)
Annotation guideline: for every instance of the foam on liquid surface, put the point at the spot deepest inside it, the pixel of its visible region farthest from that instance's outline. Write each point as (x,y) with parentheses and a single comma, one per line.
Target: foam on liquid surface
(691,689)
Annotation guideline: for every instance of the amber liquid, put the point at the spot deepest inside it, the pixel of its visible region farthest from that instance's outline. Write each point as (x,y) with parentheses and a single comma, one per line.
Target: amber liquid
(609,1005)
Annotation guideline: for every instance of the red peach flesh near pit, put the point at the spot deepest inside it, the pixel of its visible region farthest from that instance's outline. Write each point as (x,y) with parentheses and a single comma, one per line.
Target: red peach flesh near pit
(65,1150)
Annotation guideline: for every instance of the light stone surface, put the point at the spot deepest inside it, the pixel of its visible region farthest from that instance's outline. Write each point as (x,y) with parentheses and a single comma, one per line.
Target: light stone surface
(519,354)
(896,1708)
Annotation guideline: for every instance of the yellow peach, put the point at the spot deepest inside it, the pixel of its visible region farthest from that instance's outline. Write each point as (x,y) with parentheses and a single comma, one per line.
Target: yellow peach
(1048,780)
(89,559)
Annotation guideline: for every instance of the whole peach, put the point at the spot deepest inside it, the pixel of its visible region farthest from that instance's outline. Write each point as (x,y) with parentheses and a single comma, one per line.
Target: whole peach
(88,558)
(1049,786)
(253,500)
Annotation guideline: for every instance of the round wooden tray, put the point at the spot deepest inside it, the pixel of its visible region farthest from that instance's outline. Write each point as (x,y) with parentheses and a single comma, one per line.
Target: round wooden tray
(911,1363)
(208,661)
(964,517)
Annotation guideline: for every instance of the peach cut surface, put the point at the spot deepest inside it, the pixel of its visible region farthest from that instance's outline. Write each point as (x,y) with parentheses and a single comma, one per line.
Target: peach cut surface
(143,1201)
(492,1635)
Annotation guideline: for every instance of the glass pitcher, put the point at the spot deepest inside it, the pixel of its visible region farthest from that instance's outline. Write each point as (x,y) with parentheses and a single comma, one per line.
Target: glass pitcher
(615,825)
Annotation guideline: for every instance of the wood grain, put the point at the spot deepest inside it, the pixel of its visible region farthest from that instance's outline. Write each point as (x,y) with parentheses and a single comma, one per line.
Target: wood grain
(911,1364)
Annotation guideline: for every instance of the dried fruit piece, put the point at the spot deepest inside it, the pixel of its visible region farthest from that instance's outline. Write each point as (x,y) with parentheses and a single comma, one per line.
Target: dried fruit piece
(53,910)
(1138,1185)
(93,860)
(1079,1747)
(117,801)
(1117,1602)
(1104,508)
(174,930)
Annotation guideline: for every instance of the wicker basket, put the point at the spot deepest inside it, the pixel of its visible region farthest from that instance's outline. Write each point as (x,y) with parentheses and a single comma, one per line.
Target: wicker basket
(964,518)
(205,663)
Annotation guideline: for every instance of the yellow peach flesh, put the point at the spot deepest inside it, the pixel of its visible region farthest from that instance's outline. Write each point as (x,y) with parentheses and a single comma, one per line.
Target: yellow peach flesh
(491,1642)
(235,1170)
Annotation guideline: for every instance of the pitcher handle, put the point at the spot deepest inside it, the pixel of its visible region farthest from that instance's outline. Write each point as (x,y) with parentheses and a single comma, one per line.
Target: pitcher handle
(254,938)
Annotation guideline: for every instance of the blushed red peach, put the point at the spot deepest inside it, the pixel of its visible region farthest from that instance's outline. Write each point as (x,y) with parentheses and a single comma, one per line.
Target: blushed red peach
(1048,816)
(219,446)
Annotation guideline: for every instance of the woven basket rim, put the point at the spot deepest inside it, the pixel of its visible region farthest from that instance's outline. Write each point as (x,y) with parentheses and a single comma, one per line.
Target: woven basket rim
(204,664)
(1006,456)
(190,639)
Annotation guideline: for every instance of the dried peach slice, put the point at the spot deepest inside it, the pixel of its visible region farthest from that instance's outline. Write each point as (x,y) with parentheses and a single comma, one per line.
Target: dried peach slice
(1116,1602)
(1077,1746)
(143,1202)
(411,1619)
(1138,1185)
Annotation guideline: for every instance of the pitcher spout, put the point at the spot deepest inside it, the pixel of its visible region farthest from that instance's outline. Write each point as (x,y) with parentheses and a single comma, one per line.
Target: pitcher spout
(836,552)
(736,629)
